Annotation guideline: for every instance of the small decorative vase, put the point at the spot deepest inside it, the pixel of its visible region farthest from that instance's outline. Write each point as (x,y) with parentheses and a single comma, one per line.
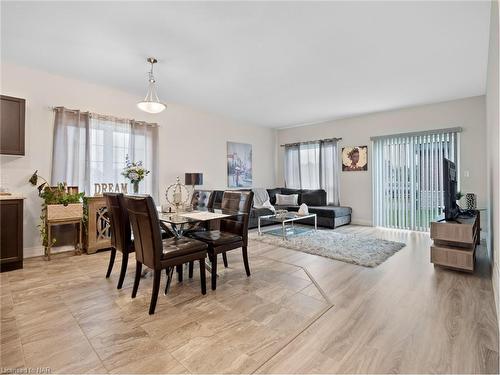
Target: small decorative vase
(471,201)
(136,187)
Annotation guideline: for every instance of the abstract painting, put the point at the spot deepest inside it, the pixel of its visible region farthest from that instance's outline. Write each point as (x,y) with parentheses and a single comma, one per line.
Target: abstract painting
(239,165)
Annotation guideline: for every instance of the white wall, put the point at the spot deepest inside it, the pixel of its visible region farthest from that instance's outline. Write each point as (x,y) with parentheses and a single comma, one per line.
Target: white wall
(356,188)
(493,143)
(189,140)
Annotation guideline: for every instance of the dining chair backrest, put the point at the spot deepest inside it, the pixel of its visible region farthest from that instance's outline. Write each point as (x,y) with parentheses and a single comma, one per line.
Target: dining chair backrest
(202,199)
(237,201)
(146,229)
(121,235)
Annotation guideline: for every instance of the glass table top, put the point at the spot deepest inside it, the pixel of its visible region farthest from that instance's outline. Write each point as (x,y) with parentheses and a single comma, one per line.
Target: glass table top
(193,216)
(288,216)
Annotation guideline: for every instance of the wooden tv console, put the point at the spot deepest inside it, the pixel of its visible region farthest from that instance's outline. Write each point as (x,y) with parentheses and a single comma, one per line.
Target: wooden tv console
(455,243)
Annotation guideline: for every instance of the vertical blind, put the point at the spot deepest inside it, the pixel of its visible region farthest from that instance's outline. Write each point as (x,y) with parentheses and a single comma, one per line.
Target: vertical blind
(408,177)
(314,165)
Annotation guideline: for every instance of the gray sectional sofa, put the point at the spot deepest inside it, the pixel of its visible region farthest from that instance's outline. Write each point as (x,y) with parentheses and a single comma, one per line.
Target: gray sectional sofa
(328,216)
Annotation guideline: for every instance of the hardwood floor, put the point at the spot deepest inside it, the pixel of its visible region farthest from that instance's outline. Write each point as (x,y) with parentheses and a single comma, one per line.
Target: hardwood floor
(297,313)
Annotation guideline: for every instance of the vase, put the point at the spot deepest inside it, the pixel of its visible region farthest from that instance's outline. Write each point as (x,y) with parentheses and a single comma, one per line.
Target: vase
(136,187)
(471,201)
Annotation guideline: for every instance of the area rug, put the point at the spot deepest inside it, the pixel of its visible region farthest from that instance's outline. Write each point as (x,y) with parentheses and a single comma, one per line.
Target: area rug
(361,250)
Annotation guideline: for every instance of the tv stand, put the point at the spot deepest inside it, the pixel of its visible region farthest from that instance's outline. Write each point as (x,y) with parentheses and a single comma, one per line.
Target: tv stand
(448,220)
(455,242)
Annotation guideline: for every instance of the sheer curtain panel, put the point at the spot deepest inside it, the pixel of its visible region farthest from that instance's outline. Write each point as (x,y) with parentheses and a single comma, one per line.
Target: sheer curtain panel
(91,148)
(314,165)
(407,177)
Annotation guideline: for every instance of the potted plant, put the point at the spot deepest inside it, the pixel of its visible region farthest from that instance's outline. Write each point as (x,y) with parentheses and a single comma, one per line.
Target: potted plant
(59,204)
(135,172)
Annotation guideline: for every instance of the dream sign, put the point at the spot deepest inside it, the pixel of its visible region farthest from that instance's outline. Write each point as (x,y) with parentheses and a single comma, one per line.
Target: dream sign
(110,188)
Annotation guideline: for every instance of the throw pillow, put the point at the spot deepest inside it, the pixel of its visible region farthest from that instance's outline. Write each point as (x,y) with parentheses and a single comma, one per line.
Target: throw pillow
(287,200)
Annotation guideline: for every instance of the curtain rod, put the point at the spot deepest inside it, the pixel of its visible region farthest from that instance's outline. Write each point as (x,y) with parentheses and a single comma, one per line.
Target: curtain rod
(307,142)
(105,117)
(424,132)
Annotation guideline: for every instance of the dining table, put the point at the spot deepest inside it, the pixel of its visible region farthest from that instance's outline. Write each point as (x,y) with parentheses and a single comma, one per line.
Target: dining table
(180,223)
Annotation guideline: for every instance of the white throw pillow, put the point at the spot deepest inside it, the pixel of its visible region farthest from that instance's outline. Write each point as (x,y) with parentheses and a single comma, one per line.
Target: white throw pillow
(287,200)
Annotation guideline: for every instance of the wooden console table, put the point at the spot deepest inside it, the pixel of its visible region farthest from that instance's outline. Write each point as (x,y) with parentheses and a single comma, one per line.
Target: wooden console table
(455,243)
(98,229)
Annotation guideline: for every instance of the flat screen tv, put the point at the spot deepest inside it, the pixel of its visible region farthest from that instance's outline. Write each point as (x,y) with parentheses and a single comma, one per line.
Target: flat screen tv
(451,209)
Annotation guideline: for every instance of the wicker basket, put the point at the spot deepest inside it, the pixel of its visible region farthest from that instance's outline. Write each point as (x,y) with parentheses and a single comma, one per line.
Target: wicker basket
(59,212)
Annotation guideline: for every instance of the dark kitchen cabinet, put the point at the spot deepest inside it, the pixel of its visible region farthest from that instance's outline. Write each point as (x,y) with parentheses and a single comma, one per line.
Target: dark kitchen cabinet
(12,113)
(11,234)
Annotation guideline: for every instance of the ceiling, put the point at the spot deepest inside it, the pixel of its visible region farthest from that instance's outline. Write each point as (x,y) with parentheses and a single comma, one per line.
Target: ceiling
(273,64)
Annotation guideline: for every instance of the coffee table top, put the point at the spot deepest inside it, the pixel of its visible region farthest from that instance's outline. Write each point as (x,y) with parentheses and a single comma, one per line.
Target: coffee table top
(289,216)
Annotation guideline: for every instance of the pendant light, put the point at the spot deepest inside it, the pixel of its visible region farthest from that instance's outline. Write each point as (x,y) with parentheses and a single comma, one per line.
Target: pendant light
(151,102)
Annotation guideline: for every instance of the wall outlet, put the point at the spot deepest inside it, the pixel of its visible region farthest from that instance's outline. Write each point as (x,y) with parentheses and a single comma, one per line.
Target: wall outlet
(466,174)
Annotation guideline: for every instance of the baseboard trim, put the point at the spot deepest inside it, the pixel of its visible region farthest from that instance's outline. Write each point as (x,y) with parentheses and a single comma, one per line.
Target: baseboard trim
(38,251)
(365,223)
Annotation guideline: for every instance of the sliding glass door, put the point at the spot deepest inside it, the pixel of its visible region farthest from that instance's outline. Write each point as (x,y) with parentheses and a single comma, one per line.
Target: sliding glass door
(407,177)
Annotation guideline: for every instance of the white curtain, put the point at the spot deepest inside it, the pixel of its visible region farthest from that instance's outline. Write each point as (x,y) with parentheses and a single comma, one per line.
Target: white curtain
(292,166)
(91,148)
(310,165)
(330,176)
(314,165)
(407,177)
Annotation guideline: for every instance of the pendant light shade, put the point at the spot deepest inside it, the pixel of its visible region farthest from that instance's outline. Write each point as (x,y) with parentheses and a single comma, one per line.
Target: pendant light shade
(151,102)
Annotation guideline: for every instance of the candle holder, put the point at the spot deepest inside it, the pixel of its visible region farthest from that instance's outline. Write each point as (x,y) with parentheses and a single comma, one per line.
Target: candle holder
(174,195)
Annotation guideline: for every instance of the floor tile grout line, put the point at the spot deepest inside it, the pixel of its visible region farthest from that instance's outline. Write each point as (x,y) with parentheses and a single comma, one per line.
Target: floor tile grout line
(307,325)
(86,338)
(294,337)
(17,325)
(313,280)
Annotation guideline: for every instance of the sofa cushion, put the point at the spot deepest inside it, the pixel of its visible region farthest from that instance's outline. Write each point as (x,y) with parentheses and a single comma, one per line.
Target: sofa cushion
(314,197)
(272,194)
(256,212)
(330,211)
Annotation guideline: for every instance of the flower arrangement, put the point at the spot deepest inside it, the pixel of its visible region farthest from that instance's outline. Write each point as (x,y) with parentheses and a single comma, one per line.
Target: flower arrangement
(135,172)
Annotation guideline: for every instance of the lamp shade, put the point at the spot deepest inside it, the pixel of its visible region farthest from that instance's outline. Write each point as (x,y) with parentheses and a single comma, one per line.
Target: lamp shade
(193,178)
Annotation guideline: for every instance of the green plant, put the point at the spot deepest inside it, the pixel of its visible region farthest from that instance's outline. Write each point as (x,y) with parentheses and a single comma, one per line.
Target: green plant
(459,195)
(52,195)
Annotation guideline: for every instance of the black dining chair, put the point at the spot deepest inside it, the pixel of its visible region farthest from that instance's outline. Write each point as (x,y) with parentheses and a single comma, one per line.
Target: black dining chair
(233,233)
(121,235)
(156,253)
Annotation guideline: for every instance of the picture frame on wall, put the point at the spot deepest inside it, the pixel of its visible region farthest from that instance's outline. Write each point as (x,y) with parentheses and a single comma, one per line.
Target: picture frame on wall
(354,158)
(239,165)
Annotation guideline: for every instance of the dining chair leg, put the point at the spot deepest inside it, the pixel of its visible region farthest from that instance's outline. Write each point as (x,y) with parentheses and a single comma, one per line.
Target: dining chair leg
(156,289)
(179,273)
(168,272)
(138,269)
(111,262)
(191,269)
(123,270)
(245,260)
(224,259)
(214,271)
(203,277)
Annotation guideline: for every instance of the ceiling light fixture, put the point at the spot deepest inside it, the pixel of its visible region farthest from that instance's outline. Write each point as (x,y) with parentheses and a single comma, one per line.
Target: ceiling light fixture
(151,102)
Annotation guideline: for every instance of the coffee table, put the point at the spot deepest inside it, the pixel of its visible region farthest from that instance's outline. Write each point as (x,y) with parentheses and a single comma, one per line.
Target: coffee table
(288,218)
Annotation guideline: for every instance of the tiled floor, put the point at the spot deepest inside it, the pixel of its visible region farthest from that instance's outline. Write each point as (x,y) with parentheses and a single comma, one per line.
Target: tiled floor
(64,315)
(297,313)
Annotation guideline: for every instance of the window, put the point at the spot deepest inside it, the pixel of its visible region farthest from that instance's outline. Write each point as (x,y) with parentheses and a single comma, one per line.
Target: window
(313,165)
(407,177)
(91,149)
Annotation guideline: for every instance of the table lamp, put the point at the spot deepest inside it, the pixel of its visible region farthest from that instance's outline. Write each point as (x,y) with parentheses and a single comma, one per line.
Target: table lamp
(193,179)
